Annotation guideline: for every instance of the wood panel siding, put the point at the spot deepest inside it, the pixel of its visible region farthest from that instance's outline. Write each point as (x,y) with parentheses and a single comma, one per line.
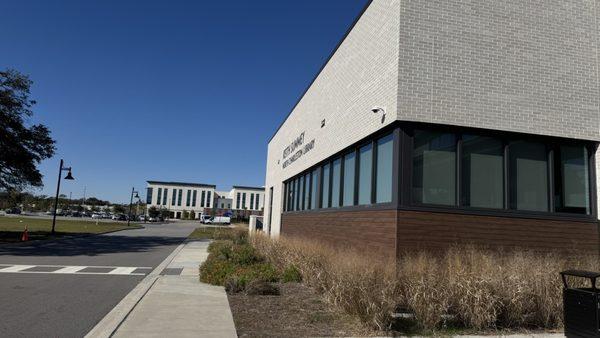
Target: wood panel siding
(437,230)
(373,231)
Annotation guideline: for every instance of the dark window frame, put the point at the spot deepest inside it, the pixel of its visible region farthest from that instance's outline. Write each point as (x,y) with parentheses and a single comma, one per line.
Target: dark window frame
(402,174)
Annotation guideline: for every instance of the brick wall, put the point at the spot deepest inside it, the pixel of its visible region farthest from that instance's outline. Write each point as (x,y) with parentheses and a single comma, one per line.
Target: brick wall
(518,65)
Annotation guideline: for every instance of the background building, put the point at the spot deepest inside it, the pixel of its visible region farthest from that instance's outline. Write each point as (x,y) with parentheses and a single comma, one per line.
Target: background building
(197,198)
(441,122)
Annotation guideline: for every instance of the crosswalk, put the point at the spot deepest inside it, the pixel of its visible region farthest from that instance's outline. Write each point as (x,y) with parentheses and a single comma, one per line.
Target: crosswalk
(76,270)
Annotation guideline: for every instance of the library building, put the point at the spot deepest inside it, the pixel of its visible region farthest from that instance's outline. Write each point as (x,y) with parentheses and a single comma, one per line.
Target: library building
(440,123)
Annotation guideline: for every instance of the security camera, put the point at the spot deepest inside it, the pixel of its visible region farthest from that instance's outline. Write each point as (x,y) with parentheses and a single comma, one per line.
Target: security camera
(377,110)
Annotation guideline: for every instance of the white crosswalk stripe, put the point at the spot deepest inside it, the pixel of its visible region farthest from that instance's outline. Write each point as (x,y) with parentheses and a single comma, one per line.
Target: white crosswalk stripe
(16,268)
(76,270)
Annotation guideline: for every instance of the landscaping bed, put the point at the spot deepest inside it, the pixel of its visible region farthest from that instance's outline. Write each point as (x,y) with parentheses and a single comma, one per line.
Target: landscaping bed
(11,228)
(298,311)
(463,290)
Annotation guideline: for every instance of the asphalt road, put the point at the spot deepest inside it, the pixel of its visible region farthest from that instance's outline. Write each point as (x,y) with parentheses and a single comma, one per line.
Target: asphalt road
(69,305)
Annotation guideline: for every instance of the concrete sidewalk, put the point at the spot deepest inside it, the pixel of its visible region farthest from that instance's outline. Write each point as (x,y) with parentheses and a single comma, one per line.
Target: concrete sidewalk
(178,305)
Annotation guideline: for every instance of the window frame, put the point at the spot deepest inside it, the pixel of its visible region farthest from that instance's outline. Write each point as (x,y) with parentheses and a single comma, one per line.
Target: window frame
(402,133)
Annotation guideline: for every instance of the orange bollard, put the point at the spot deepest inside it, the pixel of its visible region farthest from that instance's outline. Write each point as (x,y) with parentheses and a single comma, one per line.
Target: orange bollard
(25,236)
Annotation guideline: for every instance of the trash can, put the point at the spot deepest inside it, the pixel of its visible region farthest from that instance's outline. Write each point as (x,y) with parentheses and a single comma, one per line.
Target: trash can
(581,305)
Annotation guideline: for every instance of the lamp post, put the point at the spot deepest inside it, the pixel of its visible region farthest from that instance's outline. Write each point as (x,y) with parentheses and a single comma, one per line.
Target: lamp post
(131,202)
(68,177)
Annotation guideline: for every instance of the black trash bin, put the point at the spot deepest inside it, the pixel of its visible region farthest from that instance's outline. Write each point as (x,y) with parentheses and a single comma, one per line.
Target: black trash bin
(581,305)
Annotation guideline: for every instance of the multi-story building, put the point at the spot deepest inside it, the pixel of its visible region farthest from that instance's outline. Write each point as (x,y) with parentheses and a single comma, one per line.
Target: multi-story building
(197,198)
(443,122)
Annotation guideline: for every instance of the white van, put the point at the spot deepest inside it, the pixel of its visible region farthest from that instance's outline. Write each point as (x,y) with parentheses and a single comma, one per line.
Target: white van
(217,220)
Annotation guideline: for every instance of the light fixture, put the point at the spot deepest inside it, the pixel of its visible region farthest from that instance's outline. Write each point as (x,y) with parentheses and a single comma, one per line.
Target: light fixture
(69,176)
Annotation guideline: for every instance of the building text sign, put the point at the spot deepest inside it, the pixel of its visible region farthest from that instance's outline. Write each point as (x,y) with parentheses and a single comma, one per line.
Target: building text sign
(296,149)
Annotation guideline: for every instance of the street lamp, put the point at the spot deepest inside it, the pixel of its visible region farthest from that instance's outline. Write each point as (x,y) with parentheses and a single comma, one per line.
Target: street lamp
(68,177)
(130,202)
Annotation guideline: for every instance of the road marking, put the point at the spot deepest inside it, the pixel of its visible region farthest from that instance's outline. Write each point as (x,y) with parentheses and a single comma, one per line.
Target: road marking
(122,271)
(69,269)
(16,268)
(76,270)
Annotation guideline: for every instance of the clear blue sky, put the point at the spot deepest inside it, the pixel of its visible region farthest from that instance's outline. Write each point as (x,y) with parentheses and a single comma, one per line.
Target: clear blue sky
(166,90)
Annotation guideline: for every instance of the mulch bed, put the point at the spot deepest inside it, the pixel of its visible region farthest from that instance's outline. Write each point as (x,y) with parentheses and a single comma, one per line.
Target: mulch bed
(297,312)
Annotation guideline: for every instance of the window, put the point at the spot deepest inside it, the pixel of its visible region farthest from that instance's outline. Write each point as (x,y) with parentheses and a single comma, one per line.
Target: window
(365,174)
(572,177)
(194,198)
(208,193)
(335,183)
(301,193)
(314,188)
(434,168)
(149,196)
(188,198)
(174,197)
(237,200)
(325,201)
(482,172)
(251,201)
(307,186)
(202,197)
(244,201)
(529,176)
(179,196)
(165,196)
(159,196)
(383,176)
(297,196)
(257,201)
(349,171)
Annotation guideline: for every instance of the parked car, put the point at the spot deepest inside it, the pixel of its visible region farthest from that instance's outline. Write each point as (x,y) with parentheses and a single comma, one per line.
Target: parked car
(96,216)
(75,214)
(155,219)
(218,220)
(142,218)
(13,211)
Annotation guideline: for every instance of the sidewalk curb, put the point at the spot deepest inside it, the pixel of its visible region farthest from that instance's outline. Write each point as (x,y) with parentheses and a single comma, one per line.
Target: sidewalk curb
(111,322)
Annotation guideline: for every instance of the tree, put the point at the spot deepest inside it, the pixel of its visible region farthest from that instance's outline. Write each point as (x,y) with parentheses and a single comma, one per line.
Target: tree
(153,212)
(22,146)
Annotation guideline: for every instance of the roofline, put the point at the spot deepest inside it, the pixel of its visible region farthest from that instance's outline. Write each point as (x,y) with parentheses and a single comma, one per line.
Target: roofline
(323,66)
(183,184)
(247,188)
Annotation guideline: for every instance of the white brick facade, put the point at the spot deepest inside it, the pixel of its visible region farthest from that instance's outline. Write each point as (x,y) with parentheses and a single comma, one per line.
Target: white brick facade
(517,65)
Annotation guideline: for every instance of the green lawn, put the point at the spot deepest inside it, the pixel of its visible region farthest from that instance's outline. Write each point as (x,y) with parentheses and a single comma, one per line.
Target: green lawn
(11,228)
(207,232)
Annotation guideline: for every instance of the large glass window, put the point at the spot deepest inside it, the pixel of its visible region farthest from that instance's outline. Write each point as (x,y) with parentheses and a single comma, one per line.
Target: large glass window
(179,197)
(335,183)
(482,172)
(529,176)
(188,198)
(202,198)
(365,174)
(314,188)
(383,176)
(208,197)
(174,197)
(159,196)
(307,186)
(325,187)
(349,171)
(434,168)
(301,193)
(194,198)
(149,196)
(572,177)
(251,201)
(165,196)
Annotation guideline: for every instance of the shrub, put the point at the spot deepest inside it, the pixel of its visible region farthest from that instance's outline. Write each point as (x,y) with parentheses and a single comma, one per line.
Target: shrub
(222,249)
(291,275)
(245,255)
(215,270)
(261,288)
(473,287)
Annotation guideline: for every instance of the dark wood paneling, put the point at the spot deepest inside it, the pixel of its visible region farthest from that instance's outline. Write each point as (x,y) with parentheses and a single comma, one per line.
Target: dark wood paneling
(370,230)
(431,230)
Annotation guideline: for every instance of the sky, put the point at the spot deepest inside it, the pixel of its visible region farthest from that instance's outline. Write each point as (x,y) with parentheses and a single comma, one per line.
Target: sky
(187,91)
